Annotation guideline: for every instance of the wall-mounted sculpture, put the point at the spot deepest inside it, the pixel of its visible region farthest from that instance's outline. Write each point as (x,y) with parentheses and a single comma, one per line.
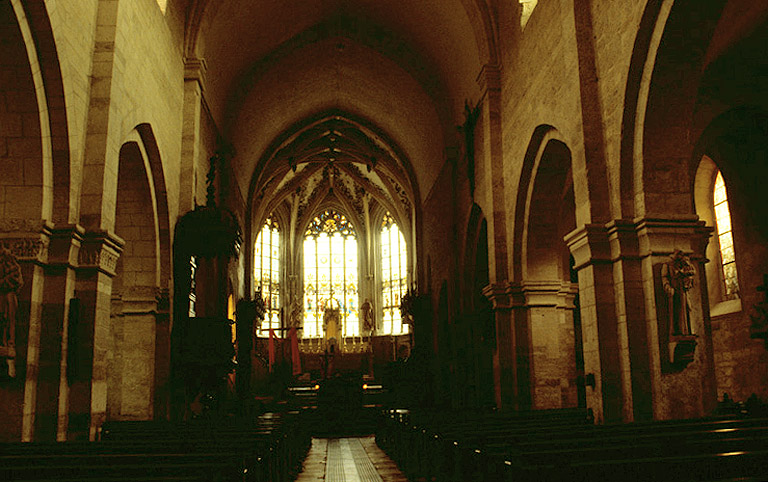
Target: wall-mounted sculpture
(10,282)
(677,280)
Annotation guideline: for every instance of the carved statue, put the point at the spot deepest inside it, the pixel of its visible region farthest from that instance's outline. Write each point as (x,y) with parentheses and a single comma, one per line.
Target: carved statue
(296,316)
(331,322)
(366,310)
(10,282)
(677,276)
(260,308)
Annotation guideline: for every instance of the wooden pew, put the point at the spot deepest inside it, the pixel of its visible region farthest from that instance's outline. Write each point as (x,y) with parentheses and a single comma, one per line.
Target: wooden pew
(558,447)
(269,449)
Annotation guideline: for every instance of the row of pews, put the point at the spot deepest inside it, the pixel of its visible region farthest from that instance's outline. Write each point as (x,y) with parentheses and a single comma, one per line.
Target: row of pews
(566,445)
(270,448)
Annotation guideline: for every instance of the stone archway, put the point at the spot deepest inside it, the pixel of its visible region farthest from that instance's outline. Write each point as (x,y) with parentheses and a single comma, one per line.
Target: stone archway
(29,82)
(133,354)
(545,293)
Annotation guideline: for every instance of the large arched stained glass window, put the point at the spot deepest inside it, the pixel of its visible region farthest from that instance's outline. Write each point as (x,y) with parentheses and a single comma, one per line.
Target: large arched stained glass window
(266,273)
(330,273)
(394,275)
(725,239)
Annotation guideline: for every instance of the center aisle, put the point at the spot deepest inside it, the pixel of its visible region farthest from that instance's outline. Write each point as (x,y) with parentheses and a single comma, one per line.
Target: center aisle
(349,459)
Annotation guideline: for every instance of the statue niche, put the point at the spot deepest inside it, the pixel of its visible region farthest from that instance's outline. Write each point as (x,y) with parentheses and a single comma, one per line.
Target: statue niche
(677,279)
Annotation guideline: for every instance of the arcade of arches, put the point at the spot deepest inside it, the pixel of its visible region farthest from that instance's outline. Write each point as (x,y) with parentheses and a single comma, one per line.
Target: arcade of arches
(569,192)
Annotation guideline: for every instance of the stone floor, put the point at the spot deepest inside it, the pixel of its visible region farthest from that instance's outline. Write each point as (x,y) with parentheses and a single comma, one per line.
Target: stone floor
(349,459)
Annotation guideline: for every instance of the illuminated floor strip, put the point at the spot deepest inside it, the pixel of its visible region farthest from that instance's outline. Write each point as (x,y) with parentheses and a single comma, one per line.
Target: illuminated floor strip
(365,469)
(348,460)
(334,469)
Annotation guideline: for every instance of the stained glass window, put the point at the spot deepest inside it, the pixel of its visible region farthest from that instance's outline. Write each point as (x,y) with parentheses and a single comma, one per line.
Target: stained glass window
(330,273)
(394,258)
(725,238)
(528,6)
(266,273)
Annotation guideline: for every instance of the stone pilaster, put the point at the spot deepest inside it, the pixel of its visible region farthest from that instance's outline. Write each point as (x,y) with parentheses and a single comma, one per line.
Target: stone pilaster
(194,82)
(505,379)
(605,342)
(97,260)
(630,313)
(51,389)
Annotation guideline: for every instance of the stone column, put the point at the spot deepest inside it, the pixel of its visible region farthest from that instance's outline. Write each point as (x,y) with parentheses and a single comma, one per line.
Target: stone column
(631,318)
(606,352)
(677,391)
(52,389)
(97,261)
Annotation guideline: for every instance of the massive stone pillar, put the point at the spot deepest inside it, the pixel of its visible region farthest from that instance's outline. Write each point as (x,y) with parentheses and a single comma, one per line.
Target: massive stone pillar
(606,350)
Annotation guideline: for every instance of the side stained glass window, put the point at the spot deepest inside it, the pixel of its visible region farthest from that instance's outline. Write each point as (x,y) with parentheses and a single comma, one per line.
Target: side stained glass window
(266,273)
(394,276)
(330,273)
(725,239)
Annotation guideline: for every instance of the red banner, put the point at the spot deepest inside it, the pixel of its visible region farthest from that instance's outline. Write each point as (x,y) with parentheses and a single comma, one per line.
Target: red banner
(271,348)
(295,356)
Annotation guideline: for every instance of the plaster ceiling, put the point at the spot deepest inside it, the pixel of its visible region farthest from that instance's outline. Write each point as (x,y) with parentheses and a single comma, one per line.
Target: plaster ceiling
(406,67)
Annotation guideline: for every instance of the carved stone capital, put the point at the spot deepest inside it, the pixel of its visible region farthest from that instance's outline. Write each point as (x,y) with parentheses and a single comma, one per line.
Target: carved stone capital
(489,77)
(589,244)
(623,240)
(554,293)
(65,244)
(661,236)
(195,70)
(100,250)
(498,294)
(139,300)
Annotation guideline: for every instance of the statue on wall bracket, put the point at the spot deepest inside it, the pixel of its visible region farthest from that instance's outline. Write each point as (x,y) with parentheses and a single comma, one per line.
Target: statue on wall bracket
(366,310)
(10,283)
(677,279)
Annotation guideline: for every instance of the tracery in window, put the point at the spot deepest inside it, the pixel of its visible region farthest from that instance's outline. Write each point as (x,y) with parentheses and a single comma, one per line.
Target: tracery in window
(330,273)
(394,276)
(725,238)
(266,273)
